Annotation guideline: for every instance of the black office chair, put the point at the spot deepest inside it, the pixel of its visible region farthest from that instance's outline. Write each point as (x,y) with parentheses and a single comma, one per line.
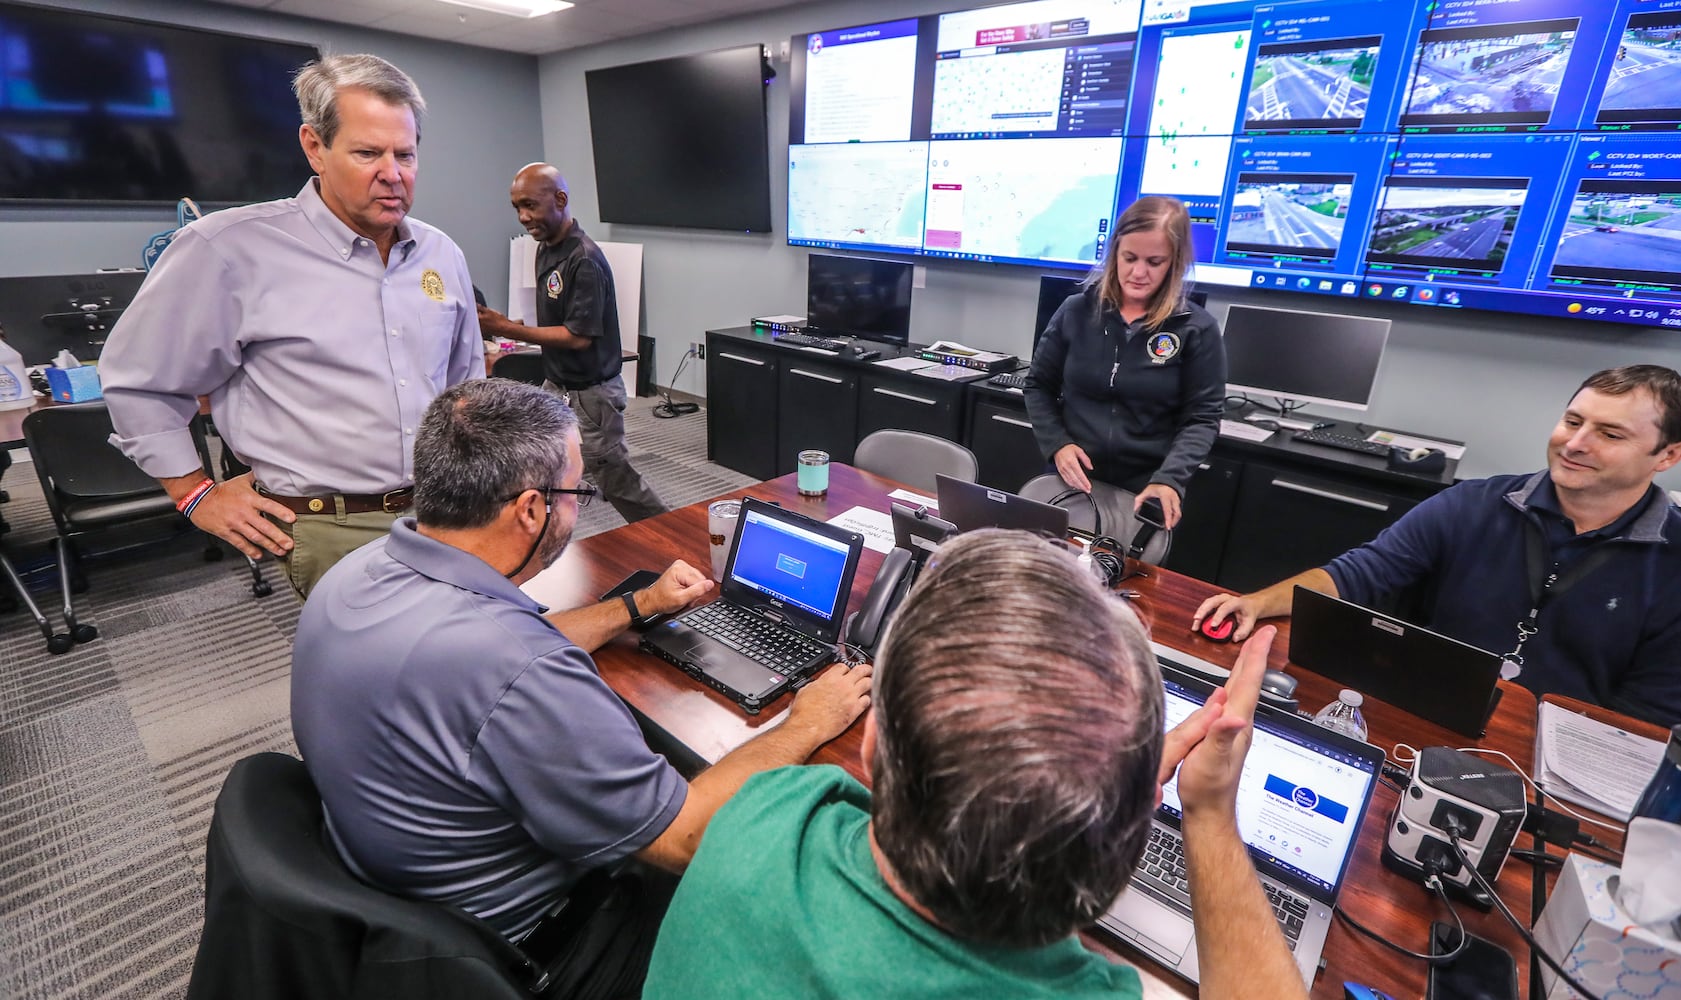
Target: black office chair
(284,918)
(521,366)
(90,487)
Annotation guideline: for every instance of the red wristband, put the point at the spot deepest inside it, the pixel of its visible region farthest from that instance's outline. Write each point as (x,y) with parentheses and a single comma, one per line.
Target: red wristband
(200,490)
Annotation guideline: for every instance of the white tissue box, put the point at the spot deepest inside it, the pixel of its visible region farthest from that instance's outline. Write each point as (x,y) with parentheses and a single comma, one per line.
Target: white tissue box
(1599,944)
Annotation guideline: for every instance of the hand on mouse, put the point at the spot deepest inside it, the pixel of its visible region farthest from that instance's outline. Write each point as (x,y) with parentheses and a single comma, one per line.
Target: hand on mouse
(1234,615)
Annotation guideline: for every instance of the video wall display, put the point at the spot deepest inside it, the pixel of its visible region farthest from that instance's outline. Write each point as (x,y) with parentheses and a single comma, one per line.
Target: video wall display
(1514,155)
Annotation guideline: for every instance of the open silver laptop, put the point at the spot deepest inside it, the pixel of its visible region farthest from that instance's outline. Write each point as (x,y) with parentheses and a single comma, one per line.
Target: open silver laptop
(1303,795)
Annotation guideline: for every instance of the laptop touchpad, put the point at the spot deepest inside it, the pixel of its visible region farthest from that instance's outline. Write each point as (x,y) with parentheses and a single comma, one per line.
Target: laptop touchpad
(1161,929)
(738,671)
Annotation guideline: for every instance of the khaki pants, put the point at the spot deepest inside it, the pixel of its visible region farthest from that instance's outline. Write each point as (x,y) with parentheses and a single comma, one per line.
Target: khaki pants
(601,438)
(321,540)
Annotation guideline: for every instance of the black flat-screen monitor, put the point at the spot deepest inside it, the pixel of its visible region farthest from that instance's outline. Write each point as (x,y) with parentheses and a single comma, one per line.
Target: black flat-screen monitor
(1053,292)
(44,314)
(859,297)
(683,141)
(97,108)
(1307,357)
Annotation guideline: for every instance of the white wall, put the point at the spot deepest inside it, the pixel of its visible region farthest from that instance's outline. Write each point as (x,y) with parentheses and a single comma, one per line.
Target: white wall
(1497,382)
(481,127)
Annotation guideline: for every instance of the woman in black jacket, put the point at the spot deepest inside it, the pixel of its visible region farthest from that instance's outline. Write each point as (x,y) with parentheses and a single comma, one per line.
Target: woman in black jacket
(1129,380)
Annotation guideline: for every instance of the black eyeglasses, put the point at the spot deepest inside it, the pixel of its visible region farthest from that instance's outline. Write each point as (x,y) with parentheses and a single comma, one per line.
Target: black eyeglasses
(585,492)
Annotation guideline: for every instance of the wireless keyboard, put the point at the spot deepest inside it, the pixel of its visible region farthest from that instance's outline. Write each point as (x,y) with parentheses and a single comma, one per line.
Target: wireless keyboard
(821,343)
(1008,380)
(1346,442)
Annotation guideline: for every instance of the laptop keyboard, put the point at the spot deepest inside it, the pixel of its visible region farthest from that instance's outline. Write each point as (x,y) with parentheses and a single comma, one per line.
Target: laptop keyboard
(1163,869)
(778,648)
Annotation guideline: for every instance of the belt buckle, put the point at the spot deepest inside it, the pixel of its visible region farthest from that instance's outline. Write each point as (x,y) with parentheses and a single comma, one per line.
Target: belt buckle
(386,504)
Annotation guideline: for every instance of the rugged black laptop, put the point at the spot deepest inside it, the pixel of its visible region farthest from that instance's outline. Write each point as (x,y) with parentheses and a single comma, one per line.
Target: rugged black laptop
(778,614)
(1436,678)
(971,506)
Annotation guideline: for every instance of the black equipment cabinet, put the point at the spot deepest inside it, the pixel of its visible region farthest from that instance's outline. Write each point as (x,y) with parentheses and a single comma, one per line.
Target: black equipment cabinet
(741,407)
(817,407)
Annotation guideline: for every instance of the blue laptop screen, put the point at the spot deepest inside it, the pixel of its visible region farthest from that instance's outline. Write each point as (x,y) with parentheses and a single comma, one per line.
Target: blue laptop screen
(800,568)
(1299,800)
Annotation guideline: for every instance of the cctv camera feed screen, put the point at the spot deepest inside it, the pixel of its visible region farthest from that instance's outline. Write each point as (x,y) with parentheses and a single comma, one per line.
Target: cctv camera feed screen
(1511,155)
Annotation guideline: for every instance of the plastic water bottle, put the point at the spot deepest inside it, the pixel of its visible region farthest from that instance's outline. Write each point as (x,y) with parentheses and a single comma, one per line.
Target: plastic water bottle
(1343,715)
(1662,797)
(15,393)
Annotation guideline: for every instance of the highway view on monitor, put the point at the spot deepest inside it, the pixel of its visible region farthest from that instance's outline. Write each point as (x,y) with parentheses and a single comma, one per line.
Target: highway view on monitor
(1646,71)
(1306,217)
(1473,224)
(1611,232)
(1330,84)
(1504,74)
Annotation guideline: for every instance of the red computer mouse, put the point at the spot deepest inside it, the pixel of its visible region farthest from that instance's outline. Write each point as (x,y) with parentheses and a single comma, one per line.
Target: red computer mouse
(1221,632)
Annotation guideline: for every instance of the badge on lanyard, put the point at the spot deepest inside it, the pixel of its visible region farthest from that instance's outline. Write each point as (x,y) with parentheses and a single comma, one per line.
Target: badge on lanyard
(552,286)
(1163,347)
(432,283)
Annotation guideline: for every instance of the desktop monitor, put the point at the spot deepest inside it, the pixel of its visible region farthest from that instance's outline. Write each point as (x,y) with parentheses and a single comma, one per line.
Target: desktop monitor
(859,297)
(1307,357)
(44,314)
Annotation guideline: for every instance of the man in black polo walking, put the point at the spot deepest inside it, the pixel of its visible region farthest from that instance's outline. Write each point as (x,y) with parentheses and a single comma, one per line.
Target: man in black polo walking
(578,329)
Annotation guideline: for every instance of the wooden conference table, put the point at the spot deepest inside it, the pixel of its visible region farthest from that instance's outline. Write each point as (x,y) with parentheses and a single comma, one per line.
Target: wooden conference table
(1397,908)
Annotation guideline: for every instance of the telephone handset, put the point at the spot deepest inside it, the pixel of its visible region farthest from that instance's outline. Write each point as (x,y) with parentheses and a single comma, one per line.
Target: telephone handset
(891,584)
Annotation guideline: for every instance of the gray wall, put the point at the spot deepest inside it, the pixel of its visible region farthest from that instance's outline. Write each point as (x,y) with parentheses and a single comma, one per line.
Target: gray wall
(481,127)
(1497,382)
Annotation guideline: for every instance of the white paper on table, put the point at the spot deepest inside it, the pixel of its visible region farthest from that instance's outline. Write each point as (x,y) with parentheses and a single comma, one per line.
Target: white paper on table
(876,527)
(1396,439)
(1591,763)
(906,364)
(1243,431)
(916,499)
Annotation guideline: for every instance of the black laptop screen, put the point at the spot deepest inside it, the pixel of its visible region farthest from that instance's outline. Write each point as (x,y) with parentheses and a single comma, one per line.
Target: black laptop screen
(1300,800)
(800,568)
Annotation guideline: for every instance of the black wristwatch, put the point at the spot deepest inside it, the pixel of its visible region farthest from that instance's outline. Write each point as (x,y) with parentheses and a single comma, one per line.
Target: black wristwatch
(629,597)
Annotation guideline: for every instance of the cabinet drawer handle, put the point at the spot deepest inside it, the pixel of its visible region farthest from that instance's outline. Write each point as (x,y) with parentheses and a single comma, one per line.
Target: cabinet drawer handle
(746,361)
(1012,421)
(904,395)
(1328,495)
(821,378)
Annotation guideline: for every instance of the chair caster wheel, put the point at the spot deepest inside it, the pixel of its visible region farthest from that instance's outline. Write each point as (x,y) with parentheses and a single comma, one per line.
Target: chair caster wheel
(59,643)
(262,589)
(85,633)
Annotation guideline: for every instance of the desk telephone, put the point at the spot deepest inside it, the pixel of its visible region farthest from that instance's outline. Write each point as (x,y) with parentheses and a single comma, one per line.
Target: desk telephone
(916,533)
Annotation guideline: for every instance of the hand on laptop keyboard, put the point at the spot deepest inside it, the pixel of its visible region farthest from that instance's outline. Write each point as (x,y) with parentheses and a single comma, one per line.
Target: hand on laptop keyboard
(678,587)
(830,703)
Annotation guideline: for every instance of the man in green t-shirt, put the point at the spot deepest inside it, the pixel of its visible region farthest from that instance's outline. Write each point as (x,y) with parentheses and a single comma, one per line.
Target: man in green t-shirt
(1016,754)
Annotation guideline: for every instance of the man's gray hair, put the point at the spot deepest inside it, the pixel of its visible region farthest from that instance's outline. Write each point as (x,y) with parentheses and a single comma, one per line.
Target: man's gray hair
(318,85)
(1018,713)
(482,443)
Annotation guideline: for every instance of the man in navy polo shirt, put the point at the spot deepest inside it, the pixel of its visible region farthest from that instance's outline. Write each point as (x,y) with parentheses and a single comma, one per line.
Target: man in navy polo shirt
(1573,572)
(465,747)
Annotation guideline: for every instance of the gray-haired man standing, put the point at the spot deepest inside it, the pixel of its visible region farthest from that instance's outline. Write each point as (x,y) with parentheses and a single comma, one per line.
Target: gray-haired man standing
(320,327)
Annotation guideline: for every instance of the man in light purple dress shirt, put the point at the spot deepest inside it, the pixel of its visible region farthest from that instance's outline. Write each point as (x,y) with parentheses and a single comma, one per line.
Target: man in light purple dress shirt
(319,326)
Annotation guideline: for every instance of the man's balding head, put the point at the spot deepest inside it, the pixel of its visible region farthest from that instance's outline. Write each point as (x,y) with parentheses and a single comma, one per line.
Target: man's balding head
(540,199)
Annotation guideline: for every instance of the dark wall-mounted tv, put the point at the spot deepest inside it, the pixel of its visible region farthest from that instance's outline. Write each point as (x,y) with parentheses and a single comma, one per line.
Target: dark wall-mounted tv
(683,142)
(96,108)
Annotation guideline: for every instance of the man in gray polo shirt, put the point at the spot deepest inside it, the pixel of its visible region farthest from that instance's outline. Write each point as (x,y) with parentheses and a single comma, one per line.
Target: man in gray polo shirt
(465,747)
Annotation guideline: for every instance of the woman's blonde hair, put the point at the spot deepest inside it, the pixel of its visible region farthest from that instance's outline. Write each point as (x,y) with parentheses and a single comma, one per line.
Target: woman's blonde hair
(1155,213)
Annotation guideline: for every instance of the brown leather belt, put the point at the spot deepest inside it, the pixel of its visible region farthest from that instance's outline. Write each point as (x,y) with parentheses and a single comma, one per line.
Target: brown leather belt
(394,502)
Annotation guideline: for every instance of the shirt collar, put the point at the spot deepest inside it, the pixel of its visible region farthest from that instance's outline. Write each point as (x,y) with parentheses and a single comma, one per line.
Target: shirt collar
(445,563)
(1643,522)
(339,236)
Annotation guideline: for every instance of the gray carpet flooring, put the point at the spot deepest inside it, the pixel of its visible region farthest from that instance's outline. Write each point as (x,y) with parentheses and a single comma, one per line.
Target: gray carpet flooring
(111,755)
